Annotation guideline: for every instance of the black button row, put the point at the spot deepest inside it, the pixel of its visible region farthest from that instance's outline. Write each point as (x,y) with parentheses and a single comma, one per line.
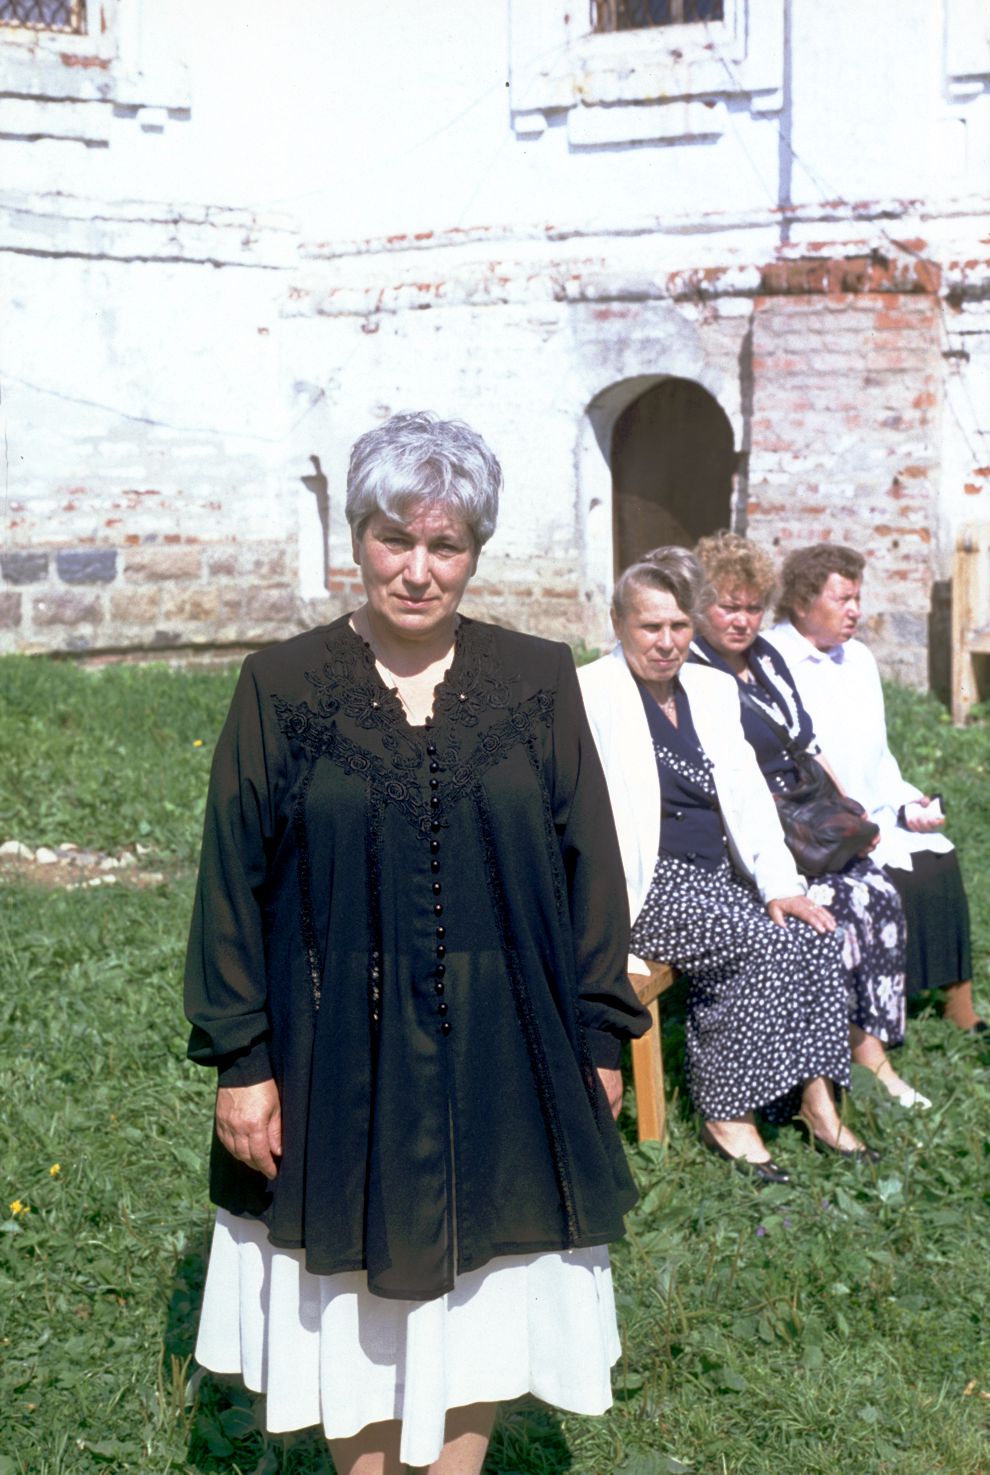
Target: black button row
(440,967)
(375,989)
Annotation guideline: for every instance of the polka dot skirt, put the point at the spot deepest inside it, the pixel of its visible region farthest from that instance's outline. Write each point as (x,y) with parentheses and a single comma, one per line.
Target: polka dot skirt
(767,1007)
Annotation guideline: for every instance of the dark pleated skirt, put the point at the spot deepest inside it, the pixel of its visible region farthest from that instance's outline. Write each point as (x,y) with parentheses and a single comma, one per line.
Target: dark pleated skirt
(938,941)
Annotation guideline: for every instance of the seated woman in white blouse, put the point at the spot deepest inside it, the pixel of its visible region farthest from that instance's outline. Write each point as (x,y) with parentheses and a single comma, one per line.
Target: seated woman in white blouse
(818,612)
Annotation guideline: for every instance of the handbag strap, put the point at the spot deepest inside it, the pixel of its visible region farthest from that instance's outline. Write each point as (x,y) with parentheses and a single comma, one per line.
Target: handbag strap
(778,729)
(746,697)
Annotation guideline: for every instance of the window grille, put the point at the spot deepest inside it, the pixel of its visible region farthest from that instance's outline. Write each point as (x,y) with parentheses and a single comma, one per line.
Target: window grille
(44,15)
(636,15)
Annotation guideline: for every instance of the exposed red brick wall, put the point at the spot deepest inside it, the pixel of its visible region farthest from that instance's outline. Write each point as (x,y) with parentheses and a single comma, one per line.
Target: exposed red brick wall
(844,445)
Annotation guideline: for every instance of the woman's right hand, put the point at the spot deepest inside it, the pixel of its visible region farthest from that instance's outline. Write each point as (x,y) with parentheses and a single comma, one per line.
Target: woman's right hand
(802,907)
(249,1125)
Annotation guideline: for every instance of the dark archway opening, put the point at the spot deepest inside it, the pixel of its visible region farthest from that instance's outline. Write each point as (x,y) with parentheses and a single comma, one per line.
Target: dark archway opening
(672,459)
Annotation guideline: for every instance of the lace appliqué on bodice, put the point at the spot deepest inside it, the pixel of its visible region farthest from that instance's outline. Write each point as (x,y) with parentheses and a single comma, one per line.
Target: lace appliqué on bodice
(347,689)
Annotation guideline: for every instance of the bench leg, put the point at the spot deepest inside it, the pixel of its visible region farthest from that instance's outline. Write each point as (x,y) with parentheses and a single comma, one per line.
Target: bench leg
(647,1069)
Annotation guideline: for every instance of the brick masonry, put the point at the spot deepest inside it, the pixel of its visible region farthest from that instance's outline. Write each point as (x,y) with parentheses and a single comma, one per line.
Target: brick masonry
(844,422)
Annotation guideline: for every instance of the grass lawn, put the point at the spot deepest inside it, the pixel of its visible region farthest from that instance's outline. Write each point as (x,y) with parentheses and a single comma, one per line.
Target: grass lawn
(836,1326)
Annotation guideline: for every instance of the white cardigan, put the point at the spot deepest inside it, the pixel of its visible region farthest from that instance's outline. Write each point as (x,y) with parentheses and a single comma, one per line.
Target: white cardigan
(622,734)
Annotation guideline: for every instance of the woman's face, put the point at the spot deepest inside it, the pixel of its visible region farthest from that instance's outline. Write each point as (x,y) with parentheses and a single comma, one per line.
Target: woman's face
(830,619)
(733,622)
(415,572)
(655,634)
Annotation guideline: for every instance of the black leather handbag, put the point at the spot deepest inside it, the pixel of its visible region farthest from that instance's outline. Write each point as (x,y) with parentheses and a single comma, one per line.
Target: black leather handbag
(823,829)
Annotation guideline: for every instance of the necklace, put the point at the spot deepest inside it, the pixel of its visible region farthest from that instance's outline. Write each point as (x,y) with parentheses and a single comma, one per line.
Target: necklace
(392,681)
(667,705)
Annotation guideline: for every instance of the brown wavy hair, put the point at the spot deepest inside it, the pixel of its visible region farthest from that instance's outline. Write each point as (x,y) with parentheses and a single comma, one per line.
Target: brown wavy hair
(805,572)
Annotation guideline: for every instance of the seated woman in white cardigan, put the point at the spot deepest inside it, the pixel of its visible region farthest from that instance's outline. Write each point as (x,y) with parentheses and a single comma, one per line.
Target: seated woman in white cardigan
(712,887)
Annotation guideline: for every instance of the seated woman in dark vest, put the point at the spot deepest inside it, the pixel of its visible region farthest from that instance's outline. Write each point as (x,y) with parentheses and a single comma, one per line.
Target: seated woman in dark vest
(863,900)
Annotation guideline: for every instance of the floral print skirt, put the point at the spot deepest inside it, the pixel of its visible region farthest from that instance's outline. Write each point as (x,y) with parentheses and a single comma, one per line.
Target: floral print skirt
(767,1005)
(868,909)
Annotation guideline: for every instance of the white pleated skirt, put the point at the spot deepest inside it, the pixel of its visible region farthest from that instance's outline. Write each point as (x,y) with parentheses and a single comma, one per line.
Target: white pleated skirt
(324,1351)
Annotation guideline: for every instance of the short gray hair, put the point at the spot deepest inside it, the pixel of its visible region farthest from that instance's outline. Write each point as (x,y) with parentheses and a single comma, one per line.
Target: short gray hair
(674,570)
(416,457)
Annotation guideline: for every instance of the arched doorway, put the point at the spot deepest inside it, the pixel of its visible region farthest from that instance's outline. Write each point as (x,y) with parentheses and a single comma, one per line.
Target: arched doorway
(672,459)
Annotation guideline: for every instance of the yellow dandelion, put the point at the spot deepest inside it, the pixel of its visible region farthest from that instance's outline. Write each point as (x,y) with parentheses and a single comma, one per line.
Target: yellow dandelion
(197,742)
(54,1170)
(17,1208)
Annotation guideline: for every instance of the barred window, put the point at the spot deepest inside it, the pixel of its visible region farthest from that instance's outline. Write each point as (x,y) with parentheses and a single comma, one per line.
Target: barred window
(45,15)
(637,15)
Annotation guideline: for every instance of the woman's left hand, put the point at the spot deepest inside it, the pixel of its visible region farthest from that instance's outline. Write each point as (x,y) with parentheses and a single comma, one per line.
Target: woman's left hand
(918,821)
(804,909)
(612,1086)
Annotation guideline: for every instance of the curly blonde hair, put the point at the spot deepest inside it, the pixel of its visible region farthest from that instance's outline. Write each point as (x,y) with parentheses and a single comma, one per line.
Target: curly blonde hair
(731,562)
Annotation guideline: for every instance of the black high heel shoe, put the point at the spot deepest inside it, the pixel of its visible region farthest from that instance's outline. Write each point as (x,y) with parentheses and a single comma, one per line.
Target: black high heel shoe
(766,1172)
(864,1154)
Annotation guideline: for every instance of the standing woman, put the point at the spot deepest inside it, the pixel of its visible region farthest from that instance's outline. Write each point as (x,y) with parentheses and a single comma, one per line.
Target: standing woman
(407,964)
(863,900)
(712,886)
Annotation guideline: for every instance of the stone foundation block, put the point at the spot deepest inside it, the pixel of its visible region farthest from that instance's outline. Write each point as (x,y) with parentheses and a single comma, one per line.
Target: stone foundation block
(191,605)
(67,609)
(24,568)
(270,604)
(10,611)
(231,602)
(135,606)
(87,565)
(147,565)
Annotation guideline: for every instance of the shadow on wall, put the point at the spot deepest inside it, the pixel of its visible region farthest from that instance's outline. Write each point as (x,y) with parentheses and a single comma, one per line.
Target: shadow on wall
(940,641)
(317,484)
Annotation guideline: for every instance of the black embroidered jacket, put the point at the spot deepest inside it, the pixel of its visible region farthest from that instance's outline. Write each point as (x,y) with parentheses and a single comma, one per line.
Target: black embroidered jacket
(421,934)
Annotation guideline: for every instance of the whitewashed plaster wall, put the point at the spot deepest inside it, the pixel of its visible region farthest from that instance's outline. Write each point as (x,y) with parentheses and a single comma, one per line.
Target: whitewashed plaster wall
(392,118)
(235,236)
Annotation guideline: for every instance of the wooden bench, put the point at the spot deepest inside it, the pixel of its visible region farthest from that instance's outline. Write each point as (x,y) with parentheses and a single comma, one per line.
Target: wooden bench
(970,620)
(650,980)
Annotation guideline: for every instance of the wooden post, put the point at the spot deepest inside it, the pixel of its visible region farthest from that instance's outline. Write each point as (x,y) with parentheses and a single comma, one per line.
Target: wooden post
(970,617)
